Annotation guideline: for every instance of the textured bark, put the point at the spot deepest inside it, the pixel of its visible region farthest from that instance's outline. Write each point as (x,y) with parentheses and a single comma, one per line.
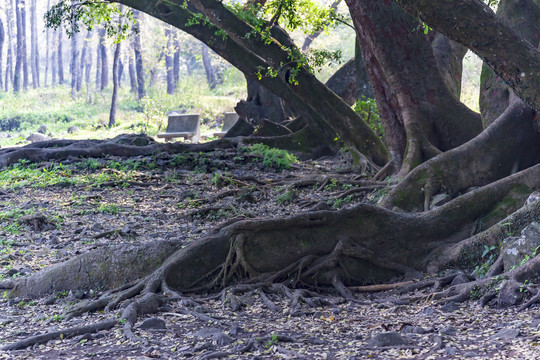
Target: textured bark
(176,59)
(132,76)
(351,82)
(449,55)
(261,104)
(523,16)
(512,57)
(419,112)
(509,144)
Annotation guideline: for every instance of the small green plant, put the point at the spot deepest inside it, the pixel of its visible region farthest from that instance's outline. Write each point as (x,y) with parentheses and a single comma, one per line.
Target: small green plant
(286,198)
(273,341)
(340,202)
(111,209)
(332,185)
(274,158)
(367,109)
(489,256)
(57,318)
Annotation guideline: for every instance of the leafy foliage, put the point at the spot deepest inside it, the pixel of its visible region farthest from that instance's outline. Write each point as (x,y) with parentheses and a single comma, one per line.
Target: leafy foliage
(274,158)
(367,109)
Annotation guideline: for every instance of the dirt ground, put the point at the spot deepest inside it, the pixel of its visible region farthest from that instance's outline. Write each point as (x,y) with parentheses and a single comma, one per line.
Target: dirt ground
(44,222)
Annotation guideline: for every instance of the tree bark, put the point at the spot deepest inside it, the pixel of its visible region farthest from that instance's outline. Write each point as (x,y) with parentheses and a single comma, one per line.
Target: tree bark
(132,76)
(420,116)
(10,45)
(34,57)
(116,85)
(74,65)
(509,55)
(104,71)
(47,48)
(60,58)
(523,16)
(137,50)
(22,9)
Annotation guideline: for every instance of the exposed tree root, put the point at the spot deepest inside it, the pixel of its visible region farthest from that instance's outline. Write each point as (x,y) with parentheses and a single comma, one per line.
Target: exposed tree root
(66,333)
(508,145)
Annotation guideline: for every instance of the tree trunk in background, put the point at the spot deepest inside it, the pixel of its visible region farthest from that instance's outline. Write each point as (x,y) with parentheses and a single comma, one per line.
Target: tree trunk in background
(191,63)
(54,66)
(523,17)
(210,74)
(449,55)
(116,79)
(104,72)
(84,60)
(98,64)
(47,47)
(24,46)
(74,65)
(176,59)
(19,60)
(169,60)
(137,50)
(34,49)
(2,39)
(60,58)
(10,16)
(132,76)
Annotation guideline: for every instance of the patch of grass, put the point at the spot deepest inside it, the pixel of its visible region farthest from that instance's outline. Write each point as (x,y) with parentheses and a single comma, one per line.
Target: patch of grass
(274,158)
(111,209)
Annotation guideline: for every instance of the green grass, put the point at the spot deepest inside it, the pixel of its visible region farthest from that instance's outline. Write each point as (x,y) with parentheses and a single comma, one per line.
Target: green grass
(22,114)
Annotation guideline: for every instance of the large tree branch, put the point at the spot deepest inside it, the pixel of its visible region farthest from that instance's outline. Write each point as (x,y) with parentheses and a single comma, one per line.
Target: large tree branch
(475,25)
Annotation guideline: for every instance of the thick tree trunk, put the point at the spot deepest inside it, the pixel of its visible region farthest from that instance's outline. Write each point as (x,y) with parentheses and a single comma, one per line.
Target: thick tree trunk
(208,68)
(169,66)
(420,115)
(104,71)
(60,58)
(34,57)
(512,58)
(523,16)
(137,50)
(449,56)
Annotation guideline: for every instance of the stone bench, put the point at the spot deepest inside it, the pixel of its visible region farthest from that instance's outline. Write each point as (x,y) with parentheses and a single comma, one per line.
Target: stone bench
(187,126)
(229,119)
